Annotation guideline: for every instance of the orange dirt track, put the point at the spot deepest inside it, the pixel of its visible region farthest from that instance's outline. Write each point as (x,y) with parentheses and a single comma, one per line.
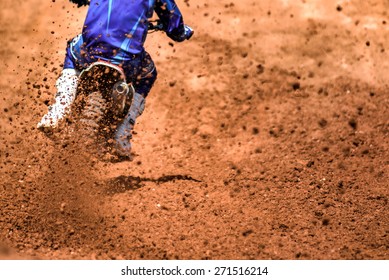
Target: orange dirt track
(264,137)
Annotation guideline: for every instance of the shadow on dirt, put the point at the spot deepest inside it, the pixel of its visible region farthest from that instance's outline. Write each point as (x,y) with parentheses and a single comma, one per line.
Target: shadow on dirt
(122,184)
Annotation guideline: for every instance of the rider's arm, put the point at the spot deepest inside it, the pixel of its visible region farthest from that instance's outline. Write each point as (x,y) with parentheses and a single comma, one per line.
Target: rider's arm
(171,17)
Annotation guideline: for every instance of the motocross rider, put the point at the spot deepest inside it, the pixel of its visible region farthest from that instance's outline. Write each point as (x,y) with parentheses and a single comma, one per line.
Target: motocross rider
(115,31)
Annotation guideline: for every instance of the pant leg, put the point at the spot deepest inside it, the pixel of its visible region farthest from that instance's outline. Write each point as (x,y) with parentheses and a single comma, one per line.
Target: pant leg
(142,73)
(74,58)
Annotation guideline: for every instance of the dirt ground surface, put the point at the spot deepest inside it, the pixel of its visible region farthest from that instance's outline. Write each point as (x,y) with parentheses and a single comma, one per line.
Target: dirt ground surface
(264,137)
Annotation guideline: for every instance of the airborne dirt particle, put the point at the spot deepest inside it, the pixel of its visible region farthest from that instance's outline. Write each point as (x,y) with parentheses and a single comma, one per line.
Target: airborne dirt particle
(247,232)
(260,69)
(323,123)
(310,163)
(296,85)
(255,130)
(353,123)
(339,8)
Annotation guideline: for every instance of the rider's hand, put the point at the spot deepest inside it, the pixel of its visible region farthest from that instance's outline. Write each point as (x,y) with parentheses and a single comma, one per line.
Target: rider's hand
(188,32)
(185,34)
(80,3)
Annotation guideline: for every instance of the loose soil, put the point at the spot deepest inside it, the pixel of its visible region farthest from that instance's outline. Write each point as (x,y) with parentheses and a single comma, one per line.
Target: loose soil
(264,137)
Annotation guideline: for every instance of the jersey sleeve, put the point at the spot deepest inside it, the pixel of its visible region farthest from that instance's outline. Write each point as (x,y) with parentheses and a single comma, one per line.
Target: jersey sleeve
(171,17)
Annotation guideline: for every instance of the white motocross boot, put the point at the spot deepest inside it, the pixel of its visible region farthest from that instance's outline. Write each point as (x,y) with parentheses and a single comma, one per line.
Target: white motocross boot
(123,133)
(66,93)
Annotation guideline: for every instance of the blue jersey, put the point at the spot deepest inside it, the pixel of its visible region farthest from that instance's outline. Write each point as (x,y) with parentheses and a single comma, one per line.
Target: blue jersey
(117,29)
